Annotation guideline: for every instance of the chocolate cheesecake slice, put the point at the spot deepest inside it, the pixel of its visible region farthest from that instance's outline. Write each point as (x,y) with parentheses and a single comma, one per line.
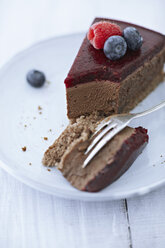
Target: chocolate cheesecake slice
(67,154)
(95,83)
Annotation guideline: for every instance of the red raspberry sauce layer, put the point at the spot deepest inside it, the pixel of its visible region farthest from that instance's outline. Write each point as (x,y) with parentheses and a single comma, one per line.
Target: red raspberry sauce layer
(91,64)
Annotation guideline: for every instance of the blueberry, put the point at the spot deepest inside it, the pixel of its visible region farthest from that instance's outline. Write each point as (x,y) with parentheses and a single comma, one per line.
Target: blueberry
(133,38)
(35,78)
(115,47)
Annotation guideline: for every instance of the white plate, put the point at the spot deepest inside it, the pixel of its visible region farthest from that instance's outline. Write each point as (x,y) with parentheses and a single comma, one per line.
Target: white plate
(19,107)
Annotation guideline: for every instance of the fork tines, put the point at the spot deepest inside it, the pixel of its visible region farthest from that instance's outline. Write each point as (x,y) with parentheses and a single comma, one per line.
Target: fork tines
(107,131)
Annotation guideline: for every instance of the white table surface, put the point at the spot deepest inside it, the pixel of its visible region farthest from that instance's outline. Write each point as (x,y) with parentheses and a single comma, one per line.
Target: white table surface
(29,218)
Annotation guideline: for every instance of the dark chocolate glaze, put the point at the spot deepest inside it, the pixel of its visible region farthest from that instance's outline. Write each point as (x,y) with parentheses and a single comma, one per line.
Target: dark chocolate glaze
(91,64)
(123,159)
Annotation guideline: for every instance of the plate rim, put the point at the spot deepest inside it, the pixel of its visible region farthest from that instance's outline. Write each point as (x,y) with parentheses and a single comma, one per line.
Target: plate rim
(69,195)
(46,188)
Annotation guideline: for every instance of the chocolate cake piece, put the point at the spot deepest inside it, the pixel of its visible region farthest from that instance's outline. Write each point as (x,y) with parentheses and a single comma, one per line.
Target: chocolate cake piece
(67,153)
(108,165)
(95,83)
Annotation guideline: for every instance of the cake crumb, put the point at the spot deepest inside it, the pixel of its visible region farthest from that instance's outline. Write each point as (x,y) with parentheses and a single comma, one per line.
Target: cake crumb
(25,125)
(40,113)
(45,138)
(24,149)
(30,163)
(50,130)
(39,108)
(49,169)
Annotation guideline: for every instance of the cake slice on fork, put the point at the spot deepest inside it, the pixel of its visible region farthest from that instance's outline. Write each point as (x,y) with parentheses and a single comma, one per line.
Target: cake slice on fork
(68,154)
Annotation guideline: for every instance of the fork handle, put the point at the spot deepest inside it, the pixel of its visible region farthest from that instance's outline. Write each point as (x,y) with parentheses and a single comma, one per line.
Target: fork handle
(159,106)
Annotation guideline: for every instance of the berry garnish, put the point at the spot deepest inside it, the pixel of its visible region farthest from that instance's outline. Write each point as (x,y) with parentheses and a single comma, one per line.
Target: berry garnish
(133,38)
(100,31)
(115,47)
(35,78)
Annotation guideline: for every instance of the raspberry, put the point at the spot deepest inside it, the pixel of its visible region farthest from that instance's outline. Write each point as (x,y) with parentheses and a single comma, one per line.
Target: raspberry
(99,32)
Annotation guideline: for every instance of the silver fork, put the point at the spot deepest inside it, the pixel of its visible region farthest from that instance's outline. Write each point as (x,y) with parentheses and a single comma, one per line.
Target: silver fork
(110,128)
